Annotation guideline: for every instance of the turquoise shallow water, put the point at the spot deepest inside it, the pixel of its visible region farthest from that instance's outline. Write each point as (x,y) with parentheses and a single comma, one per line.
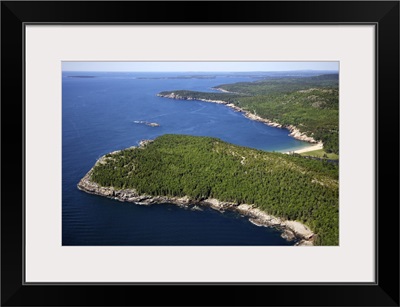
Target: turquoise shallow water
(103,113)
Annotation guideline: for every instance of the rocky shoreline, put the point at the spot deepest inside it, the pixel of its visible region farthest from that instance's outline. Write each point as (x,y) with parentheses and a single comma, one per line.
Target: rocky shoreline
(294,131)
(291,230)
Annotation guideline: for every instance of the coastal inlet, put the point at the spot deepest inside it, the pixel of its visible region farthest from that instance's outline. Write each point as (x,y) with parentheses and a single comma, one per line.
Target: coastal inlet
(99,110)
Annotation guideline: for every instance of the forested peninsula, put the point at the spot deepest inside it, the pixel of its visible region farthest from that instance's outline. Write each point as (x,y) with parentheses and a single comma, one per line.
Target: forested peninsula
(307,106)
(273,189)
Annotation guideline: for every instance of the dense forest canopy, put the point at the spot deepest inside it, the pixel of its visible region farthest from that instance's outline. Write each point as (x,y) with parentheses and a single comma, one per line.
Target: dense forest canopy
(309,103)
(287,186)
(282,85)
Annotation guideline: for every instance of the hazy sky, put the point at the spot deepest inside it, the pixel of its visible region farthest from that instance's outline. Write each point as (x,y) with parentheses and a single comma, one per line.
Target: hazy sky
(198,66)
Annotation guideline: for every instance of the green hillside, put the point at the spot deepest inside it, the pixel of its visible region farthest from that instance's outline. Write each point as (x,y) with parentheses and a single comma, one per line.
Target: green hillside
(202,167)
(309,103)
(282,85)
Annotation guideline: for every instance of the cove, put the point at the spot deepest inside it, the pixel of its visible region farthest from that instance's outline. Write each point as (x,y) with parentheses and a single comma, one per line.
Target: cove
(105,112)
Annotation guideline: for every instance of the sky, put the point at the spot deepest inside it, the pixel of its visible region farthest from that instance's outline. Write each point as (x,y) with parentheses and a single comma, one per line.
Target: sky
(197,66)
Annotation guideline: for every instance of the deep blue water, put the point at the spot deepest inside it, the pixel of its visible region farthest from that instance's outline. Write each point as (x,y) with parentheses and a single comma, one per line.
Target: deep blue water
(98,116)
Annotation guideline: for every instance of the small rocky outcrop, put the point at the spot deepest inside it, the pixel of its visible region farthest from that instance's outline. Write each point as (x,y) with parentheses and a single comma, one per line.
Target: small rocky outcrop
(150,124)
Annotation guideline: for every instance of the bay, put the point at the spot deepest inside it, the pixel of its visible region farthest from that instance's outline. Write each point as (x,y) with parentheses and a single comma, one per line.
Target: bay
(106,111)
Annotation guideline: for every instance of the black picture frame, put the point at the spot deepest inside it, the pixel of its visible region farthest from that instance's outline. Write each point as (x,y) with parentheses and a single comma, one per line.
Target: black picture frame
(383,14)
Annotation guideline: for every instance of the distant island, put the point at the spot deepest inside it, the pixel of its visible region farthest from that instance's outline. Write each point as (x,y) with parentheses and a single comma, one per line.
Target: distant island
(82,77)
(307,106)
(296,195)
(178,77)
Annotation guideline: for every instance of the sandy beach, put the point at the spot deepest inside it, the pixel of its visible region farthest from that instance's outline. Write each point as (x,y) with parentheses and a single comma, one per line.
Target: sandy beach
(307,149)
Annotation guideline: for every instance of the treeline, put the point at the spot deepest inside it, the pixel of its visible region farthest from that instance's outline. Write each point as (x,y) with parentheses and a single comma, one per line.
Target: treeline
(310,103)
(201,167)
(314,112)
(193,95)
(282,85)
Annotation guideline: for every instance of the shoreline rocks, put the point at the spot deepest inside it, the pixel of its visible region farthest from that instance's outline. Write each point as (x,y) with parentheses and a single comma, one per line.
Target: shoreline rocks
(293,131)
(291,230)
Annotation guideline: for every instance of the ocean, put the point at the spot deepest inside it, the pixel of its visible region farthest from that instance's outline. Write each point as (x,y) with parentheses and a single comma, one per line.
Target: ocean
(107,111)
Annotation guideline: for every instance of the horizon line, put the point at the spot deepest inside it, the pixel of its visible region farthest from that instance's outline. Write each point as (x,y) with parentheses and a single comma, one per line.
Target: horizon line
(207,71)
